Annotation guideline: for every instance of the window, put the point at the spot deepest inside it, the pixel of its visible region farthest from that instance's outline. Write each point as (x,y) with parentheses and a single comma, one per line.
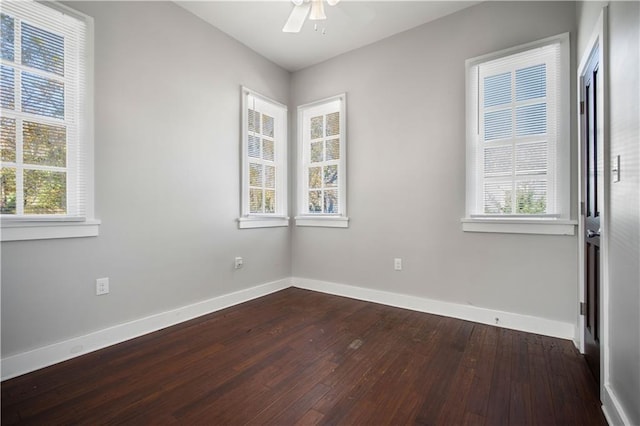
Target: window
(518,139)
(322,163)
(45,131)
(264,154)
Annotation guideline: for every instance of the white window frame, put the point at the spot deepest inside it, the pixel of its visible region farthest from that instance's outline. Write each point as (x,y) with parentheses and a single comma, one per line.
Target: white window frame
(80,221)
(559,221)
(322,107)
(263,104)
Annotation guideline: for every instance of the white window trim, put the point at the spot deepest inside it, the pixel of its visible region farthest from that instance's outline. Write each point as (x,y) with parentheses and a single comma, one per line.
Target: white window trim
(340,220)
(520,226)
(50,230)
(323,221)
(56,227)
(262,222)
(249,220)
(560,224)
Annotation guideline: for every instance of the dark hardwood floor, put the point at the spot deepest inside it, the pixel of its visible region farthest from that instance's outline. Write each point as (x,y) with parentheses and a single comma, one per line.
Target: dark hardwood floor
(299,357)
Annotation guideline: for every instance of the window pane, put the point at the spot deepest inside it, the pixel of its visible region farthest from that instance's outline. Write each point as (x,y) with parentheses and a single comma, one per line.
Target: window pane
(316,152)
(267,149)
(498,161)
(333,124)
(497,124)
(531,120)
(531,158)
(267,125)
(331,176)
(7,86)
(8,139)
(254,121)
(8,190)
(42,49)
(255,200)
(315,201)
(42,96)
(254,146)
(255,174)
(7,43)
(269,201)
(497,197)
(531,82)
(269,177)
(44,144)
(532,197)
(315,177)
(331,201)
(316,127)
(497,89)
(333,149)
(45,192)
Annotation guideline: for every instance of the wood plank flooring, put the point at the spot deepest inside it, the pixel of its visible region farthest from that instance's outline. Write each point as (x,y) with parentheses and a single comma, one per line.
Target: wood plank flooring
(301,358)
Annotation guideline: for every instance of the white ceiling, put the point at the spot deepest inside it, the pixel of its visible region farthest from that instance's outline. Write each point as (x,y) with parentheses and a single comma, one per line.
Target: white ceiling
(349,25)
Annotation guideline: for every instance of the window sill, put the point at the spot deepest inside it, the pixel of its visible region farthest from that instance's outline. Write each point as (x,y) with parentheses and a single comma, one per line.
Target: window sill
(520,226)
(323,221)
(18,230)
(249,222)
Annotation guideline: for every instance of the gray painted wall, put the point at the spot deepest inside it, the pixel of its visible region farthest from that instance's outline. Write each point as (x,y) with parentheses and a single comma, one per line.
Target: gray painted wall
(624,213)
(405,118)
(167,102)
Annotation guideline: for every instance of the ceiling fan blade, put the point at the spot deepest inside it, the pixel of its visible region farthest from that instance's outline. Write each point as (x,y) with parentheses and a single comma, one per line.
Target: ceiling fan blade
(296,19)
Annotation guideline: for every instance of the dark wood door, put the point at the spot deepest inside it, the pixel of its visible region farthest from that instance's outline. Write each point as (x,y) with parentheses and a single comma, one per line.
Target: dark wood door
(593,204)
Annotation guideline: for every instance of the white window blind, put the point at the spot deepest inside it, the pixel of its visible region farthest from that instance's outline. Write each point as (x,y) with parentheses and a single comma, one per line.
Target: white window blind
(322,164)
(43,106)
(264,151)
(517,135)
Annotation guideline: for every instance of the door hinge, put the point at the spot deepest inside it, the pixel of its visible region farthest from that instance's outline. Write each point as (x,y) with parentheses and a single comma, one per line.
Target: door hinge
(583,308)
(582,208)
(581,107)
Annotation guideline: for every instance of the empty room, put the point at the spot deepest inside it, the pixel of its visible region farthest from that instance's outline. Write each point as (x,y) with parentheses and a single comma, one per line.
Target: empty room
(320,212)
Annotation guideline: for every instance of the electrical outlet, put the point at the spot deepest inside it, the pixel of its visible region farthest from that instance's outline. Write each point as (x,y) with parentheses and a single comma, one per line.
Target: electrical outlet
(397,264)
(239,262)
(102,286)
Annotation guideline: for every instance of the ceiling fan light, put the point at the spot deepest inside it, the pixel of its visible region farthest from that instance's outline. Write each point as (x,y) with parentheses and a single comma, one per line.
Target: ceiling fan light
(317,10)
(332,2)
(297,2)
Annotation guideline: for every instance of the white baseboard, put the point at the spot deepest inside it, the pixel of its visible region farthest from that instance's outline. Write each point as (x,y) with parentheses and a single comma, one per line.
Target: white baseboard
(510,320)
(26,362)
(612,409)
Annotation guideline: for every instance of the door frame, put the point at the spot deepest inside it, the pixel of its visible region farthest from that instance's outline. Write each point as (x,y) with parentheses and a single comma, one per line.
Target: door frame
(597,42)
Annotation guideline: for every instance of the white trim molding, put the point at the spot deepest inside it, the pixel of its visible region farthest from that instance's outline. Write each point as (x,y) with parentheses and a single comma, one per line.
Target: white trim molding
(25,362)
(612,409)
(35,359)
(43,230)
(250,222)
(520,226)
(323,221)
(503,319)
